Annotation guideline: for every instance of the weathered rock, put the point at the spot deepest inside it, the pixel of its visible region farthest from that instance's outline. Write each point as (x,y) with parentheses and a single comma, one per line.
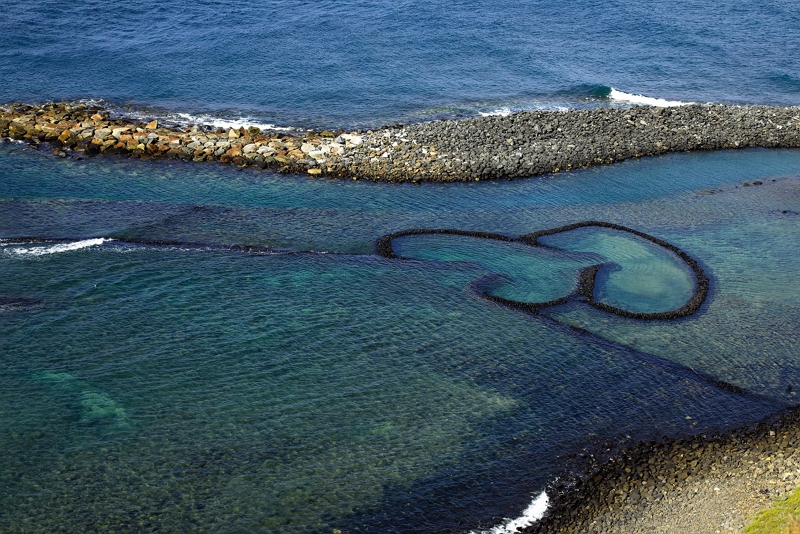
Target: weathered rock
(614,486)
(119,132)
(519,145)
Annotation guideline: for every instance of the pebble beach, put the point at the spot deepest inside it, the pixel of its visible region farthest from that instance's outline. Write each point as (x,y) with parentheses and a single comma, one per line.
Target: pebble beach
(708,483)
(485,148)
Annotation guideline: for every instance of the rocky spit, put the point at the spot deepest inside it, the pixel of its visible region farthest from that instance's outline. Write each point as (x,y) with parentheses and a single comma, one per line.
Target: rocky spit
(709,483)
(495,147)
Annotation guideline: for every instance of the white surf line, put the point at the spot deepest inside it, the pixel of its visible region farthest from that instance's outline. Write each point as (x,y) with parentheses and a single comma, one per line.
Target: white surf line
(534,512)
(55,249)
(505,111)
(620,96)
(220,122)
(185,119)
(501,112)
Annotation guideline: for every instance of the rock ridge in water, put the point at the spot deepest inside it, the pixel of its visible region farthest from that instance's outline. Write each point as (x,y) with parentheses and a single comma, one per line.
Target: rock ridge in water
(495,147)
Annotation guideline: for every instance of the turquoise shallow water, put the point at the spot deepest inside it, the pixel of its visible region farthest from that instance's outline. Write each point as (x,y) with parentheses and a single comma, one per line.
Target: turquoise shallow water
(315,385)
(640,277)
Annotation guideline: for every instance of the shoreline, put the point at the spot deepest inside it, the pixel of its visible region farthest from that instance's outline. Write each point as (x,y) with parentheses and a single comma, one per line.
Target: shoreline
(520,145)
(712,482)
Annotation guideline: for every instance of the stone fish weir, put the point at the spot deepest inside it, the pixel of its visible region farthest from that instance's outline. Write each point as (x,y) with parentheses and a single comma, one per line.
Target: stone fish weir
(584,291)
(630,485)
(494,147)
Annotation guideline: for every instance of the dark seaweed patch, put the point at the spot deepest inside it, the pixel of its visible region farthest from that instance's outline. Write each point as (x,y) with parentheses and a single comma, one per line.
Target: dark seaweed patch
(14,303)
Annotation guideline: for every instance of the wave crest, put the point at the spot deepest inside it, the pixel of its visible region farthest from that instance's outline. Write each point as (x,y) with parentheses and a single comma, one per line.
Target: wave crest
(620,96)
(55,249)
(534,512)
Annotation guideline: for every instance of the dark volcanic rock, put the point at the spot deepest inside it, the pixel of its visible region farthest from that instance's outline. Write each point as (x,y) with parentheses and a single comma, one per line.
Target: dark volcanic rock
(602,493)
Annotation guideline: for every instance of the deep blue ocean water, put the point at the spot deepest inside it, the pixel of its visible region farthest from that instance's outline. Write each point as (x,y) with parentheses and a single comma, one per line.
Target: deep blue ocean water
(310,384)
(343,63)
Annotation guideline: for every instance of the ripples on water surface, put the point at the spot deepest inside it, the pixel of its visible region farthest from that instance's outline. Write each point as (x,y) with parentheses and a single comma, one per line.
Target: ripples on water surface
(330,64)
(192,387)
(314,385)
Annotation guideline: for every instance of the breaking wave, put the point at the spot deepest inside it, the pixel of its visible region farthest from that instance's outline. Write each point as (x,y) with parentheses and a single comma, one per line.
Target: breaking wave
(533,513)
(183,119)
(619,96)
(55,249)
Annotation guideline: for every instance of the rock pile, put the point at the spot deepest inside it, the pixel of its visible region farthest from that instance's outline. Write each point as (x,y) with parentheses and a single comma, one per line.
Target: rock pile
(640,485)
(91,131)
(496,147)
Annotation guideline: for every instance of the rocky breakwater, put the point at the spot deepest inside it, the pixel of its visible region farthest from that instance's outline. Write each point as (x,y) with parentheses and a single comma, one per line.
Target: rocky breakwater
(495,147)
(531,143)
(78,129)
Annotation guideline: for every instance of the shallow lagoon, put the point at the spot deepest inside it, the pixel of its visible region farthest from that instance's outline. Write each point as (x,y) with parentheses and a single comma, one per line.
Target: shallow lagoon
(316,385)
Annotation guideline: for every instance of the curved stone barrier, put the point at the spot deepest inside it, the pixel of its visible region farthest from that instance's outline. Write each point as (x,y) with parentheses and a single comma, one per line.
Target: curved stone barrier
(484,148)
(588,275)
(584,289)
(583,292)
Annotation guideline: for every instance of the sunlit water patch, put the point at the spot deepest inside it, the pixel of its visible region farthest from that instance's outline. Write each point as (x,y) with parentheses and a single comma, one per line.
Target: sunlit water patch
(268,370)
(640,276)
(524,273)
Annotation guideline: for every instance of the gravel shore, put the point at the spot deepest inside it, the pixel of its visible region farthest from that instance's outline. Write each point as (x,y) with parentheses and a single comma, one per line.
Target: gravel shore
(710,483)
(496,147)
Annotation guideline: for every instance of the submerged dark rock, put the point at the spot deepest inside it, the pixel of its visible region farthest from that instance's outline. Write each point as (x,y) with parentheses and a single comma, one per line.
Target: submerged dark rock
(13,303)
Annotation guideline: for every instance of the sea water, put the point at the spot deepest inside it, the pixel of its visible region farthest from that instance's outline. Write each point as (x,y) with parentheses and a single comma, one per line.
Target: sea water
(310,384)
(194,347)
(331,64)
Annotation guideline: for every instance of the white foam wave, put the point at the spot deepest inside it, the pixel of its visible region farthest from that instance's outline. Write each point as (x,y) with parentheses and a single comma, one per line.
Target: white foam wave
(185,119)
(620,96)
(534,512)
(231,123)
(55,249)
(92,102)
(530,106)
(502,112)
